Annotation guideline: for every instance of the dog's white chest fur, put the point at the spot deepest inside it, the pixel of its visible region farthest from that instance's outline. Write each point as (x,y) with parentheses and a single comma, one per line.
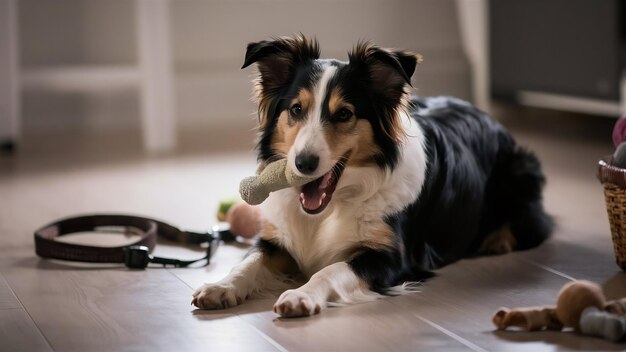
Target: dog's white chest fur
(364,196)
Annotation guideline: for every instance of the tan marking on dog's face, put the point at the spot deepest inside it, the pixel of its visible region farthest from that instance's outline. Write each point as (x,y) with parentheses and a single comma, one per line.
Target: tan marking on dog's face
(336,101)
(354,135)
(287,128)
(306,99)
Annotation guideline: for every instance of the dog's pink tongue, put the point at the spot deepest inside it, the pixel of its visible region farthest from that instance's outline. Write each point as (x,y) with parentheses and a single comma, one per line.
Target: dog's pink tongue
(313,193)
(311,199)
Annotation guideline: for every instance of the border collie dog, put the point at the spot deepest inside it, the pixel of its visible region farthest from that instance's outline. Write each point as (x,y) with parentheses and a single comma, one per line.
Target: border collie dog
(405,185)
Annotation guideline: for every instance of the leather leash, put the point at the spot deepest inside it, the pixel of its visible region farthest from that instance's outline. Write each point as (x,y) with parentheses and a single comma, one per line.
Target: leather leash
(135,255)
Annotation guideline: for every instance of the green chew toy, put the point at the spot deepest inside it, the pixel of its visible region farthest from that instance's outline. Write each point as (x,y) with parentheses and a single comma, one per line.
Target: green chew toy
(223,208)
(276,176)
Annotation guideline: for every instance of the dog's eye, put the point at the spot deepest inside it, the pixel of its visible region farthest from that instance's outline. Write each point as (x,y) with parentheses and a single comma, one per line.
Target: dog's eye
(344,114)
(295,110)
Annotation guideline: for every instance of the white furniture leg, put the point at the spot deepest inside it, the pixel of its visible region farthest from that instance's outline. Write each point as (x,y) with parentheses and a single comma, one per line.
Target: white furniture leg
(9,71)
(155,64)
(474,25)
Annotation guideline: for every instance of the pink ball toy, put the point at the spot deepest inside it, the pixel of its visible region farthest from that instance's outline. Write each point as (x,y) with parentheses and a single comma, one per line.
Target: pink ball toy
(244,220)
(619,131)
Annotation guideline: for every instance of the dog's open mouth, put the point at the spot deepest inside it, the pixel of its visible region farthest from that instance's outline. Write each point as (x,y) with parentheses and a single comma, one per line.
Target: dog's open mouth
(316,195)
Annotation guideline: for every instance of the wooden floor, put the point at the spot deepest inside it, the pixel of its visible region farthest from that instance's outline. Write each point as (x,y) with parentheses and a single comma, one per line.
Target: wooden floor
(47,305)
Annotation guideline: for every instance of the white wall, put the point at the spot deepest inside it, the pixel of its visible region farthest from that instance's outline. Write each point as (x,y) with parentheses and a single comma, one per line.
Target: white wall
(209,40)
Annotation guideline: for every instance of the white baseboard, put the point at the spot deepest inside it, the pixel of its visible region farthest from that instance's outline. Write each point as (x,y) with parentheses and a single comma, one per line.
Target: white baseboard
(569,103)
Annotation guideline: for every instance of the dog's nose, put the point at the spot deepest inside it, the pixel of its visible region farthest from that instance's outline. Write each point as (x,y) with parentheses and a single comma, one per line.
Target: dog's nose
(307,163)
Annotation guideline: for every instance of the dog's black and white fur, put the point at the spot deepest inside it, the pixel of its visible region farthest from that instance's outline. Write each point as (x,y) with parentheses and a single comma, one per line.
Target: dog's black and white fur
(406,185)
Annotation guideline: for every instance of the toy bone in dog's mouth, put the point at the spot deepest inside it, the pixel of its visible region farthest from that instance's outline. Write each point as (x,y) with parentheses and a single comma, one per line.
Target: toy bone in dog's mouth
(276,176)
(315,194)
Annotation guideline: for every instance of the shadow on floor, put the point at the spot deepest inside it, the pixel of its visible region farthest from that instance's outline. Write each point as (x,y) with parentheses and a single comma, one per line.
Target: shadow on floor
(248,307)
(567,340)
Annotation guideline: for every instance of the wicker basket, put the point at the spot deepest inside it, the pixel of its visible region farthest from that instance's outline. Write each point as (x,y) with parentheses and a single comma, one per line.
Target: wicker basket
(614,181)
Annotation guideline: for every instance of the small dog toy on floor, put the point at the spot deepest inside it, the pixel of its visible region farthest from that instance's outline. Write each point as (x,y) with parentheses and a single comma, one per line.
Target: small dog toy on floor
(580,305)
(276,176)
(244,219)
(619,140)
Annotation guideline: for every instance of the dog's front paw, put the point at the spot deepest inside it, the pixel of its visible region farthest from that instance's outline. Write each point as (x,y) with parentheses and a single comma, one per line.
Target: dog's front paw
(217,296)
(295,303)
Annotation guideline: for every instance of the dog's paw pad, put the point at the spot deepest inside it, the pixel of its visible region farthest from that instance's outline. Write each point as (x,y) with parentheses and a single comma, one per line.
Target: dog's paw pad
(217,296)
(294,303)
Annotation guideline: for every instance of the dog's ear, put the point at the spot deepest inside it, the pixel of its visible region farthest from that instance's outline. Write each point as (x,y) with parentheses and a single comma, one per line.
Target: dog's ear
(408,61)
(387,74)
(388,70)
(278,58)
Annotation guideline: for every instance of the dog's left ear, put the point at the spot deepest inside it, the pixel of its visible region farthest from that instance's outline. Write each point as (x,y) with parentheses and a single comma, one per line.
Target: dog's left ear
(389,70)
(408,61)
(387,73)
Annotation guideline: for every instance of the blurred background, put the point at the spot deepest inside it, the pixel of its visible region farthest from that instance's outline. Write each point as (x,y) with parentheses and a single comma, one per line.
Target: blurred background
(92,83)
(170,70)
(165,73)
